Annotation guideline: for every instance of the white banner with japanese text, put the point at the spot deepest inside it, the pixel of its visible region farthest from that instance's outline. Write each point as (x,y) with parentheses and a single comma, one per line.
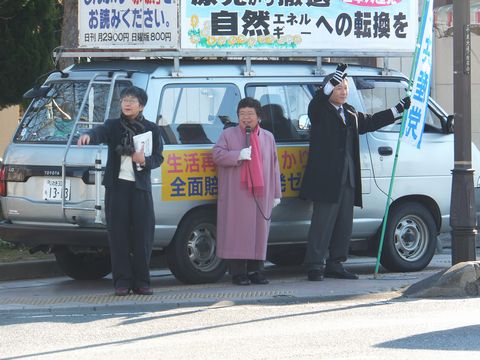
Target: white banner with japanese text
(128,24)
(415,118)
(387,26)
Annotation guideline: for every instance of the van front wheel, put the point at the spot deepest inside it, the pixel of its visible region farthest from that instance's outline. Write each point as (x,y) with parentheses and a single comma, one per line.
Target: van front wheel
(192,254)
(410,238)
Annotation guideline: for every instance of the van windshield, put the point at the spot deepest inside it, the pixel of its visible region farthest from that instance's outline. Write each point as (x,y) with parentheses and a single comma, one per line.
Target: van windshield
(50,119)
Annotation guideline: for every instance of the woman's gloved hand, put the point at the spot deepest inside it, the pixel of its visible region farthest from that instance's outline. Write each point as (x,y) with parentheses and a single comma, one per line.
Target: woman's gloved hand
(245,154)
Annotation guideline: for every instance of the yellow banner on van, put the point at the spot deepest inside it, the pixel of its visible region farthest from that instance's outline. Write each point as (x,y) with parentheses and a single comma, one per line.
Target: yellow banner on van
(192,174)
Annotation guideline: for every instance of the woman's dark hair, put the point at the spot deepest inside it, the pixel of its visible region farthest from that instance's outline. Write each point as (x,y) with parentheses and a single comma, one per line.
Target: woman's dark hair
(251,103)
(136,92)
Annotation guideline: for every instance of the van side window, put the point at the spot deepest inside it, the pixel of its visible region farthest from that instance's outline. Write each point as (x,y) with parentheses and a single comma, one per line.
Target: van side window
(50,119)
(380,94)
(197,113)
(282,107)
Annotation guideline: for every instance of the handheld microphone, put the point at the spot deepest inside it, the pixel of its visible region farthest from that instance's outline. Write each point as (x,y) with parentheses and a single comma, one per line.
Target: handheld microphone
(248,131)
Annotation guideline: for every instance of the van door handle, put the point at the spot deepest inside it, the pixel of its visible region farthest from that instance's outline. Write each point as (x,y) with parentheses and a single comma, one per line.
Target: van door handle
(385,150)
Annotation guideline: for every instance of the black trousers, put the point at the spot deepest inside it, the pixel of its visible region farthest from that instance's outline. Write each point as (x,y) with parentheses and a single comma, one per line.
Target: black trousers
(330,229)
(243,267)
(130,226)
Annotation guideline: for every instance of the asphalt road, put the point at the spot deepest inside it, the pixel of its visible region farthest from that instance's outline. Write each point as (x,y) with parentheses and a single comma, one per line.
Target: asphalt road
(369,328)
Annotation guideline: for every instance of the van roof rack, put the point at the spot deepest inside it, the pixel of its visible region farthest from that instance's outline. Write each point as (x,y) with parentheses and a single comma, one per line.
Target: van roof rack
(217,54)
(175,56)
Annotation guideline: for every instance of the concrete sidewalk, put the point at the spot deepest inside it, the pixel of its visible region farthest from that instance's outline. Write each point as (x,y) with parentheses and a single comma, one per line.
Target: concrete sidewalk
(288,284)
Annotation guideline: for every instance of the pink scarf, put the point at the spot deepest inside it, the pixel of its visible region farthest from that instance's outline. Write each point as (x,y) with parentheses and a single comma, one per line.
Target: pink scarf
(252,170)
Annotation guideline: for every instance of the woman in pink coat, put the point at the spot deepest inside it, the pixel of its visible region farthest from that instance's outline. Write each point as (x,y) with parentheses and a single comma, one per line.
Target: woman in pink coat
(248,190)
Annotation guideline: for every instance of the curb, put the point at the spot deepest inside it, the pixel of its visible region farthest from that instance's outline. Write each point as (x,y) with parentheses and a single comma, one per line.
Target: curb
(31,269)
(37,269)
(460,280)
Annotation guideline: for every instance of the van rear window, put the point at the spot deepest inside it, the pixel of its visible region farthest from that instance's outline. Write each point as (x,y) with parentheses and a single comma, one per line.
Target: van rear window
(50,119)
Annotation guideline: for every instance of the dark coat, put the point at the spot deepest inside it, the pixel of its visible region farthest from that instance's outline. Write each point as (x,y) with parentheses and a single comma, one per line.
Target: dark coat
(110,133)
(326,155)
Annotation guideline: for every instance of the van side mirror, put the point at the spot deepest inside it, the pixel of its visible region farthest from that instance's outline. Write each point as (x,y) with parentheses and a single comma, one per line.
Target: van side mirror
(304,122)
(37,92)
(450,124)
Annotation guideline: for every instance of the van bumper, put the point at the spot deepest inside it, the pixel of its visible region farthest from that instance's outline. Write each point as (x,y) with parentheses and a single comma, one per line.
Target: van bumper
(33,235)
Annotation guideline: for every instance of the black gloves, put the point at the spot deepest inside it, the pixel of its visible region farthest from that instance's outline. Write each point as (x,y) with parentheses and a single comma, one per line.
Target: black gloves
(404,104)
(339,75)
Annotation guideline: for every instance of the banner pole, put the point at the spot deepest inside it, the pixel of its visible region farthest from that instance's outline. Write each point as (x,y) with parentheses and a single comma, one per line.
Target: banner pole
(397,150)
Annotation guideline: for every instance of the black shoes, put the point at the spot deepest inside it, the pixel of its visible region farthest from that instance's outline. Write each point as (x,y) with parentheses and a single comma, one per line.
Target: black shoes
(315,275)
(335,270)
(258,278)
(143,291)
(254,278)
(339,272)
(122,291)
(240,280)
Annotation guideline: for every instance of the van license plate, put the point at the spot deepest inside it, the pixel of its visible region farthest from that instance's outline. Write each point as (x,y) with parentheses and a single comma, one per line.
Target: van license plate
(52,189)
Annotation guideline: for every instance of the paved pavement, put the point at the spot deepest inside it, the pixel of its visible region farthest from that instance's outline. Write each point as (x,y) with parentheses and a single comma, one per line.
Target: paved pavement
(288,284)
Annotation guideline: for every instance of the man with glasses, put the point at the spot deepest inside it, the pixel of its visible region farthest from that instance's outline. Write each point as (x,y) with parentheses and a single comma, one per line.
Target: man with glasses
(332,177)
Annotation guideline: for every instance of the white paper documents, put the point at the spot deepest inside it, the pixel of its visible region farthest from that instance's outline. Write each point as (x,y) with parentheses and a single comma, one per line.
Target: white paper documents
(144,140)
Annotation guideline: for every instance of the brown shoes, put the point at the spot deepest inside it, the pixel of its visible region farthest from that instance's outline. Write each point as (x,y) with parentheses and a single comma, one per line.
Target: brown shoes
(143,291)
(122,291)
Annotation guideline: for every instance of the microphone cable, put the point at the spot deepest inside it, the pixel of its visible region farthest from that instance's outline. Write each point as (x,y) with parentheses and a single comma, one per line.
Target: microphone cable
(254,196)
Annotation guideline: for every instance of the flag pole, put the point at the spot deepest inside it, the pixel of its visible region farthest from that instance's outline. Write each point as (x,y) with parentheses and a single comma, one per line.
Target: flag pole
(397,151)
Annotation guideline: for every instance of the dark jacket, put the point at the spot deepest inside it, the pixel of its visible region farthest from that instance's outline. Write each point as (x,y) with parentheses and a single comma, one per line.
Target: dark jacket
(326,156)
(111,133)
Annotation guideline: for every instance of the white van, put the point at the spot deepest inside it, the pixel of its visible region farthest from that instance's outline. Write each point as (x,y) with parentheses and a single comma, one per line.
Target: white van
(192,104)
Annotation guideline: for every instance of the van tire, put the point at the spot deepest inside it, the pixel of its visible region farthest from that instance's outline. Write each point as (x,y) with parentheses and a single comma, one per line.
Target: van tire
(286,255)
(191,256)
(83,265)
(410,238)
